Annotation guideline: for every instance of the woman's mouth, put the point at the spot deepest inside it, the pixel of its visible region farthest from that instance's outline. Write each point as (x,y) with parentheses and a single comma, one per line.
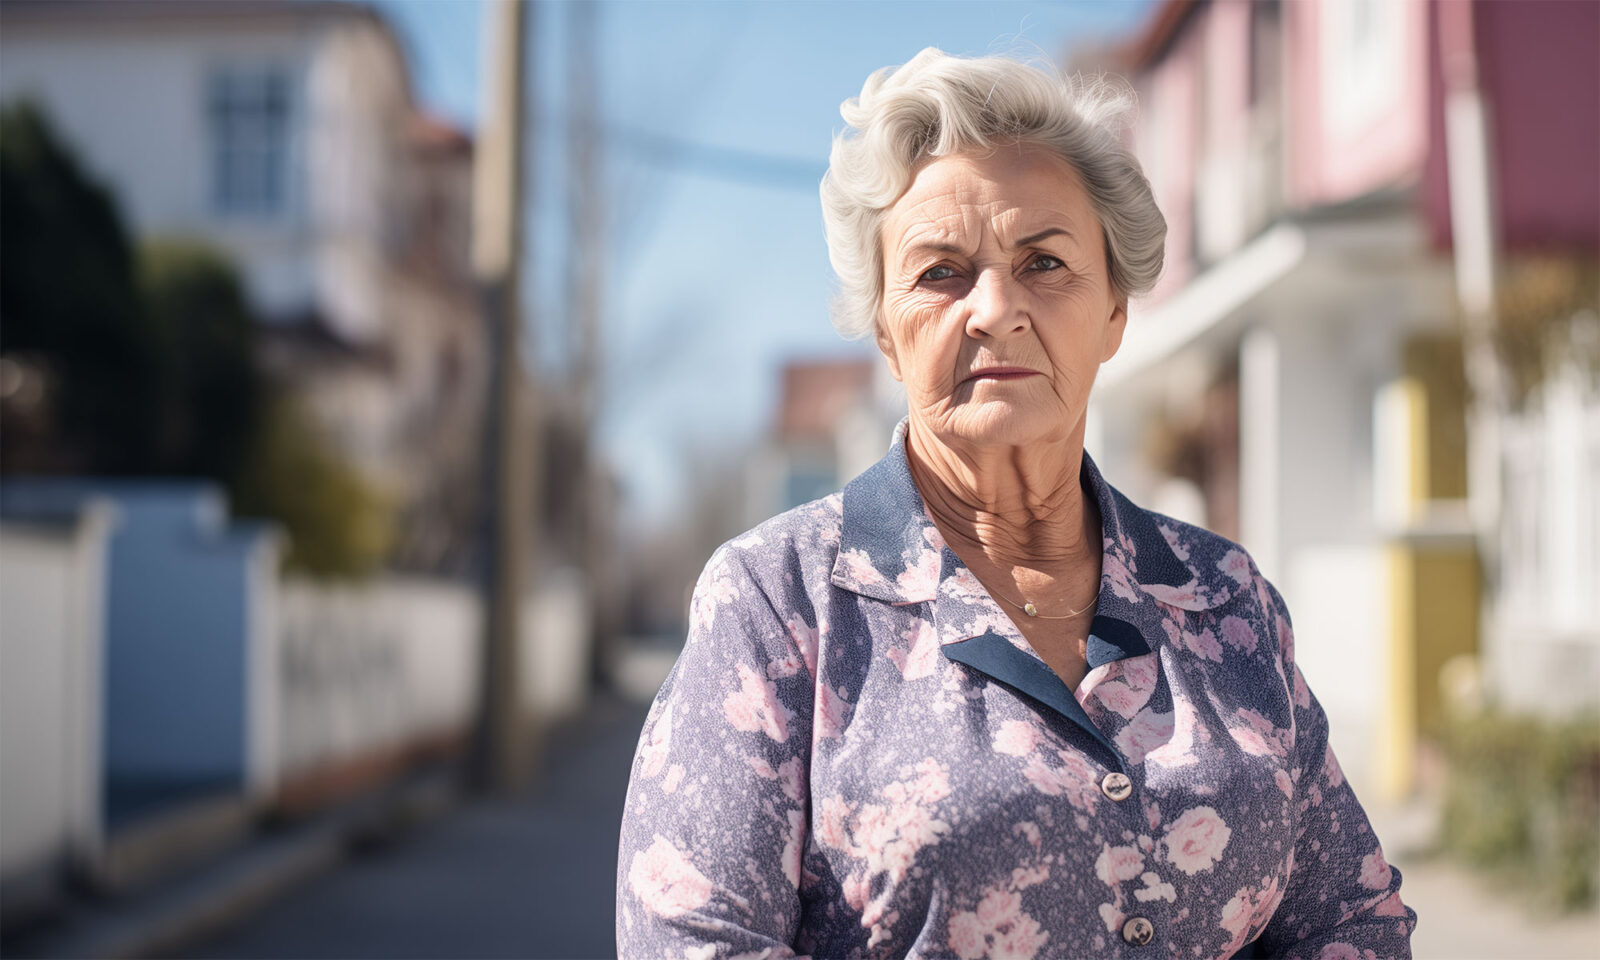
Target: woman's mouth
(1002,373)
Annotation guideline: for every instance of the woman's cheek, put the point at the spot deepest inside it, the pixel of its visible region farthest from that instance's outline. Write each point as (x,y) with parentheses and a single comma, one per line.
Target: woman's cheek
(927,344)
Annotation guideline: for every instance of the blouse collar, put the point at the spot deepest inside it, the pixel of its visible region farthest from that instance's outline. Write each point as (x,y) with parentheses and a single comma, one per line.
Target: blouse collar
(890,550)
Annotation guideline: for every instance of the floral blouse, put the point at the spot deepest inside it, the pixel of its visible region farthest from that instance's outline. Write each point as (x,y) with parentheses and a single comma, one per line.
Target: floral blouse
(858,754)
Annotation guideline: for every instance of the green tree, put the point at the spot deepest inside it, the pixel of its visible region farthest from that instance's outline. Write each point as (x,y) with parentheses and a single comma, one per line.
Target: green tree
(68,298)
(210,390)
(221,421)
(339,525)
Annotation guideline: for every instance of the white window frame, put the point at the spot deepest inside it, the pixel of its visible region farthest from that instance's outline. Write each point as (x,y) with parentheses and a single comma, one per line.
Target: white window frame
(249,118)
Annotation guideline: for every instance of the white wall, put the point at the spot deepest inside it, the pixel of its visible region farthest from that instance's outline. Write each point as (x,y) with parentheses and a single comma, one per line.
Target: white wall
(372,667)
(357,110)
(1339,600)
(263,670)
(1329,555)
(556,649)
(52,591)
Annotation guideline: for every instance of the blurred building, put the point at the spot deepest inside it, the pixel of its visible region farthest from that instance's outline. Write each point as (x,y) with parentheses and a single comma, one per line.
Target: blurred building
(1298,380)
(287,135)
(833,421)
(166,688)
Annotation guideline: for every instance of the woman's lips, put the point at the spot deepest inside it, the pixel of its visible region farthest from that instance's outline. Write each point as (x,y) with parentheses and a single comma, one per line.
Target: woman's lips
(1002,373)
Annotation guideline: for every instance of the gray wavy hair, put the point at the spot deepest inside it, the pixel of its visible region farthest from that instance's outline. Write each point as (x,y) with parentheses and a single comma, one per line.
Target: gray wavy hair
(937,105)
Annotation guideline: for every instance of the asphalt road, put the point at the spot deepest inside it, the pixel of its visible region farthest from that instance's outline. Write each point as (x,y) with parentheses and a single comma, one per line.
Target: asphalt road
(533,877)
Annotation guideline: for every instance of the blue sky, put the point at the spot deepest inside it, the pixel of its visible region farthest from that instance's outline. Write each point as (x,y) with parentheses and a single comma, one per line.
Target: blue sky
(716,271)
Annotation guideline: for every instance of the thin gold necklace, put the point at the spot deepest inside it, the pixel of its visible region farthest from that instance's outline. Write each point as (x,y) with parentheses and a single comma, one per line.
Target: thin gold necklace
(1033,611)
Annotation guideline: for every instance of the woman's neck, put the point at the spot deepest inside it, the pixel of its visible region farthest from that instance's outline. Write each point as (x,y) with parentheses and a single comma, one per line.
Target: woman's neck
(1018,506)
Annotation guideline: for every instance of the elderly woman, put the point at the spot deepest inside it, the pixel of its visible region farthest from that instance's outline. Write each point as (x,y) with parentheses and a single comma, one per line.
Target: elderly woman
(980,704)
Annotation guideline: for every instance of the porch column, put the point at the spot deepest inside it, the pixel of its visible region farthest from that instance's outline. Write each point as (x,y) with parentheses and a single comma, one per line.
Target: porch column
(1260,448)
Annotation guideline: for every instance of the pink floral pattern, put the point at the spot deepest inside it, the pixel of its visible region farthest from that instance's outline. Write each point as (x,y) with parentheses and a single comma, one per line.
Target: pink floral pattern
(1375,871)
(829,771)
(1196,839)
(755,706)
(997,928)
(1146,732)
(665,882)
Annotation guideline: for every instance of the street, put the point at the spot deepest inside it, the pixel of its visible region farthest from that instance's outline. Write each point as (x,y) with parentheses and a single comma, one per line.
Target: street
(530,877)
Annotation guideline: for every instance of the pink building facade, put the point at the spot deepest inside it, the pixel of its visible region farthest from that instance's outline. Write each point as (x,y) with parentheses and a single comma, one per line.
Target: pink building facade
(1296,380)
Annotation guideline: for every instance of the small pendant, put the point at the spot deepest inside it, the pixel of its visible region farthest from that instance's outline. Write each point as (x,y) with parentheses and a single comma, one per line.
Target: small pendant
(1030,609)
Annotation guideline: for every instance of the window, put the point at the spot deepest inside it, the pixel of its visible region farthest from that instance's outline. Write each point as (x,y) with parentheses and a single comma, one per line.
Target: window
(248,114)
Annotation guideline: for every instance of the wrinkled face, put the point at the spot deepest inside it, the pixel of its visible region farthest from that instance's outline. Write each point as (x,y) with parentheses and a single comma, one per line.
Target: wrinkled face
(997,303)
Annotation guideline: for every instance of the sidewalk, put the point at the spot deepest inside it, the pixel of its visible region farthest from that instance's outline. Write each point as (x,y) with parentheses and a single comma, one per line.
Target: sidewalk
(1460,918)
(1460,915)
(159,918)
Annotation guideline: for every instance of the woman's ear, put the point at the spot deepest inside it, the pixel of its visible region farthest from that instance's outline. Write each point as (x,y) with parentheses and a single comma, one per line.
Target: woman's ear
(886,347)
(1116,325)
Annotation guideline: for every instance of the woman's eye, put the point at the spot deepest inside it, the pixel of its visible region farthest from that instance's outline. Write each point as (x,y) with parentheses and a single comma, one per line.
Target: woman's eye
(1045,262)
(938,273)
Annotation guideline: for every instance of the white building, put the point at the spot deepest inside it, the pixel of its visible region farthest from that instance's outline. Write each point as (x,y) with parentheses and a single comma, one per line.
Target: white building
(286,134)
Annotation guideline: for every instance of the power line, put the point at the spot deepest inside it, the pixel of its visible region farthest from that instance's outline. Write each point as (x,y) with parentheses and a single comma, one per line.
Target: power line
(701,159)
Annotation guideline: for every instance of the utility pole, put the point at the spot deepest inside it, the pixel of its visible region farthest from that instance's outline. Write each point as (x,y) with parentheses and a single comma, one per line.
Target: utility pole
(502,752)
(585,276)
(588,208)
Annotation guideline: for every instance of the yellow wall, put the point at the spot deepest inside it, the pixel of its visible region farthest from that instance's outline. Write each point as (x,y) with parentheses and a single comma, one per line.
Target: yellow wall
(1434,364)
(1434,569)
(1435,594)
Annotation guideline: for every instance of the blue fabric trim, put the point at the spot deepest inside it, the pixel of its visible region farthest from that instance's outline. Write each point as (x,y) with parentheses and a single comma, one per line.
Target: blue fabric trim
(1157,563)
(993,656)
(1250,951)
(1112,639)
(883,514)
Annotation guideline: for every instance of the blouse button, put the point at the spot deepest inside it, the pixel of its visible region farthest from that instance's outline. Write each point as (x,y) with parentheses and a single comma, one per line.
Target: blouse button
(1138,931)
(1116,786)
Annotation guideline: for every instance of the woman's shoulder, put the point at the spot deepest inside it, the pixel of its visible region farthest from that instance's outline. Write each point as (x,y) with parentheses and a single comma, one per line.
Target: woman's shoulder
(761,591)
(1222,567)
(1201,548)
(1225,571)
(797,547)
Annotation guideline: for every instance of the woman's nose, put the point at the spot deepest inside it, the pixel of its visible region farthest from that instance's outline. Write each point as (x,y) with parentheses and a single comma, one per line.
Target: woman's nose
(996,307)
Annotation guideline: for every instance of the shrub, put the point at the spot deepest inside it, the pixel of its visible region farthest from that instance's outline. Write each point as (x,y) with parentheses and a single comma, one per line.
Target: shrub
(1523,801)
(339,524)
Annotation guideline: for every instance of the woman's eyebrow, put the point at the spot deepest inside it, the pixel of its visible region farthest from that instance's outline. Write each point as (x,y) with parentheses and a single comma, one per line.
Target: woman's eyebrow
(930,246)
(1044,234)
(940,240)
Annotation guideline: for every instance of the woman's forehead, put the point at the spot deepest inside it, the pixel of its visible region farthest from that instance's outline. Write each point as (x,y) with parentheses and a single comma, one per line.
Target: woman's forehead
(1013,192)
(957,205)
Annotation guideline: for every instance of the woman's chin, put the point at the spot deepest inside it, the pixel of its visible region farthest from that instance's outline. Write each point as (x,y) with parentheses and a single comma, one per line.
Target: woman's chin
(999,423)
